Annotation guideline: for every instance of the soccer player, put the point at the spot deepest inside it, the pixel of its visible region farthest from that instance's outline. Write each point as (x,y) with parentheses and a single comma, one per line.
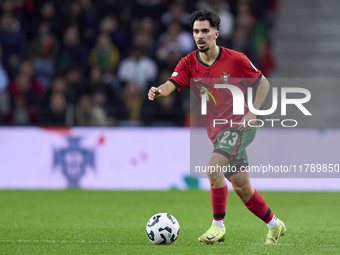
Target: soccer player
(230,141)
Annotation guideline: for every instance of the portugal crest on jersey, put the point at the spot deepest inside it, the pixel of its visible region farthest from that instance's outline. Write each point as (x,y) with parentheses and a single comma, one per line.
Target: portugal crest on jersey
(225,77)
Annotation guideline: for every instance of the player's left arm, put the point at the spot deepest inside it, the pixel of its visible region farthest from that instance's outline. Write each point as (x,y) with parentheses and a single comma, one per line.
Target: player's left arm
(261,94)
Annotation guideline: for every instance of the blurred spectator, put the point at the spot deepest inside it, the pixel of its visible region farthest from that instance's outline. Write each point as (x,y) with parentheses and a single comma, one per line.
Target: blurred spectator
(244,14)
(125,18)
(151,8)
(263,11)
(24,10)
(72,51)
(13,42)
(111,80)
(241,42)
(106,8)
(174,40)
(171,58)
(72,13)
(163,112)
(115,109)
(86,22)
(42,51)
(105,95)
(133,97)
(48,15)
(105,54)
(169,113)
(27,68)
(4,79)
(7,6)
(227,20)
(25,87)
(96,78)
(89,114)
(100,106)
(138,67)
(144,41)
(264,8)
(119,37)
(21,113)
(144,35)
(55,114)
(4,97)
(96,82)
(80,13)
(75,87)
(176,13)
(257,17)
(148,26)
(58,86)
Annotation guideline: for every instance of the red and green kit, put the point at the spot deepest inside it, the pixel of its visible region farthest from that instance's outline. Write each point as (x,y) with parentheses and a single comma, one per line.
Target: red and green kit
(232,68)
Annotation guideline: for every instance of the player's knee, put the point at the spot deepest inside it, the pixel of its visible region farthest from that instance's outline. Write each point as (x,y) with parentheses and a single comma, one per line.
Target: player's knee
(242,190)
(238,190)
(215,175)
(217,182)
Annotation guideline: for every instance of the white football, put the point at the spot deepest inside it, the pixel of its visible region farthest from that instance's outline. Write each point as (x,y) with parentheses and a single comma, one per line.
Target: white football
(162,228)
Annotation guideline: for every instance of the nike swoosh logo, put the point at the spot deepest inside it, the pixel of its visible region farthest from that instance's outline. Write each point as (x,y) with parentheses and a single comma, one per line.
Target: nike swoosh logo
(197,79)
(211,238)
(221,146)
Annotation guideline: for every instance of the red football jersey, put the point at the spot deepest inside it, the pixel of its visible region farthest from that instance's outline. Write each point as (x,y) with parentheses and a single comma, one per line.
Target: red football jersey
(230,67)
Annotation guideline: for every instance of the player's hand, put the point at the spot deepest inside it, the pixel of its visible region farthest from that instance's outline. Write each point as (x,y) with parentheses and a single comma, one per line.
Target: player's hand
(249,121)
(153,93)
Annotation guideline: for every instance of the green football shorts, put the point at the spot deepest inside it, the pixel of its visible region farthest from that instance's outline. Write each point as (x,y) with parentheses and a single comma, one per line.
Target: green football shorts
(232,144)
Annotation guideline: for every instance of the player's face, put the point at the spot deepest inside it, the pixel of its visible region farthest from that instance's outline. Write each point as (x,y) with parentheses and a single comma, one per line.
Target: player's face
(205,35)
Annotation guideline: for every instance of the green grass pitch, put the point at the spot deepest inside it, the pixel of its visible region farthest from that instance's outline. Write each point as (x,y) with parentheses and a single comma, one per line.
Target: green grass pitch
(113,222)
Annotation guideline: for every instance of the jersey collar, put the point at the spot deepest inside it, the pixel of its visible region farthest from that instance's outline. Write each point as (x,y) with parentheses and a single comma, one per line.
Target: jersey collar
(205,64)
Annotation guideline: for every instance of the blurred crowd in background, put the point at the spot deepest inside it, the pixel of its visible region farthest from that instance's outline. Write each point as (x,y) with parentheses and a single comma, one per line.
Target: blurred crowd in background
(91,62)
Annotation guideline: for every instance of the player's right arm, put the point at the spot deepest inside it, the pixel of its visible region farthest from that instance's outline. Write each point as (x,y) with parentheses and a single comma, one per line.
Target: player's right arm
(179,78)
(162,91)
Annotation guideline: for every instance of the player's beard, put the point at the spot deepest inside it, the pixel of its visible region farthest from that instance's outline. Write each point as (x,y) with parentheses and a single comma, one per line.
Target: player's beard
(205,49)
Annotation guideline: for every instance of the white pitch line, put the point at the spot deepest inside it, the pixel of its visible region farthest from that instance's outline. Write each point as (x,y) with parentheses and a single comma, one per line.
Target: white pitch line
(54,241)
(289,244)
(112,242)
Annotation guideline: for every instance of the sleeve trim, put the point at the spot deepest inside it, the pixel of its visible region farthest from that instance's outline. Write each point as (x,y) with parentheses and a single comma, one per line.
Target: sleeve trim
(257,80)
(174,83)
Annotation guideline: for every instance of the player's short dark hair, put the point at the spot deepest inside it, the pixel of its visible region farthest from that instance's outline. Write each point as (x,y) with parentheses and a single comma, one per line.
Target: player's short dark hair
(203,15)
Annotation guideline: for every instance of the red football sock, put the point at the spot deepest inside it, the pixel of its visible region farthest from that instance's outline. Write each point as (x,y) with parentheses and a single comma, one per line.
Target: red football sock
(258,206)
(219,202)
